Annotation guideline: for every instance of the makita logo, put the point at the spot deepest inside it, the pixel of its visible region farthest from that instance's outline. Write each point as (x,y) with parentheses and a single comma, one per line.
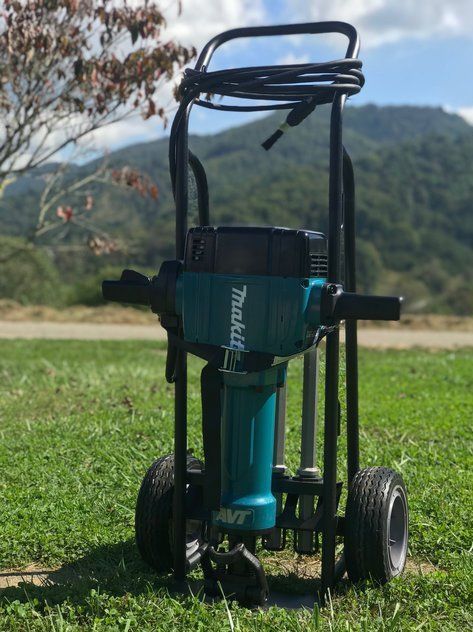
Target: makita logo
(237,328)
(233,516)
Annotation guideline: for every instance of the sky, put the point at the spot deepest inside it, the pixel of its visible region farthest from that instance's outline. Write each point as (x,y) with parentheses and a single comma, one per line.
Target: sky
(417,52)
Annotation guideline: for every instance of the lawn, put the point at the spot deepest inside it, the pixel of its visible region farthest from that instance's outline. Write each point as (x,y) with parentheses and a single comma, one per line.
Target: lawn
(80,423)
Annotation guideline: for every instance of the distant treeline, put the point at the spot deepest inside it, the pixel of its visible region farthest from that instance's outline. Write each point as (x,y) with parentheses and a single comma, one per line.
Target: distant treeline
(414,201)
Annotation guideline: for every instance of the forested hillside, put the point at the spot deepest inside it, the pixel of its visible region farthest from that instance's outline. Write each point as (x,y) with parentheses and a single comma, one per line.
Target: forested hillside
(414,169)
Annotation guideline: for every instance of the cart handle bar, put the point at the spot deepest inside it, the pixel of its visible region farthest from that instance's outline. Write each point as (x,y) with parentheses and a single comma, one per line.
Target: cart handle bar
(309,28)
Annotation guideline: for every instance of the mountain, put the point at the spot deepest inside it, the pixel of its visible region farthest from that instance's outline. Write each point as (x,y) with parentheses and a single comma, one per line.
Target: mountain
(414,195)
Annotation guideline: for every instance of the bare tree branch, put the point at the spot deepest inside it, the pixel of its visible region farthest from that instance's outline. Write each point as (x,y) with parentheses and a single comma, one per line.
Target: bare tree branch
(68,60)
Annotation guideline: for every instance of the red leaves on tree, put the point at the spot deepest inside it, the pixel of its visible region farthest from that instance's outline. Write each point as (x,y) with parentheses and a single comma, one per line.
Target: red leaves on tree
(65,212)
(151,109)
(132,178)
(53,66)
(89,203)
(102,245)
(153,191)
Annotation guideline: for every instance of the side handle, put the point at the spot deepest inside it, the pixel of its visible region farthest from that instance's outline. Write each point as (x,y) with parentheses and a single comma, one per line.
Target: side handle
(132,287)
(338,305)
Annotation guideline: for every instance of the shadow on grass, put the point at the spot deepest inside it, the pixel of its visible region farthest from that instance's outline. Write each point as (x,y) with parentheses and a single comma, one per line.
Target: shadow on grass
(114,569)
(118,570)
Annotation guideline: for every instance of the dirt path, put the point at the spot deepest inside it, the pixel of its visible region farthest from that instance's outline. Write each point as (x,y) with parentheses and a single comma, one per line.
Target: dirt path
(79,331)
(68,575)
(378,338)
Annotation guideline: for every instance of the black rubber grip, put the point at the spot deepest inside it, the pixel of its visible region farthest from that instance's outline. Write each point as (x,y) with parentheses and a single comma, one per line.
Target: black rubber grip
(127,292)
(357,306)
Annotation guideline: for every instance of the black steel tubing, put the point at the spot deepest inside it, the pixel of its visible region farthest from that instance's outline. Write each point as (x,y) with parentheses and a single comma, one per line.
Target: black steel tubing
(351,334)
(332,353)
(309,28)
(181,182)
(330,462)
(180,466)
(180,385)
(335,190)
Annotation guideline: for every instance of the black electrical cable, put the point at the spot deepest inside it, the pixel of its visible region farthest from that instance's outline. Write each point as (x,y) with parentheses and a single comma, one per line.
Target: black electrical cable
(202,188)
(290,84)
(295,87)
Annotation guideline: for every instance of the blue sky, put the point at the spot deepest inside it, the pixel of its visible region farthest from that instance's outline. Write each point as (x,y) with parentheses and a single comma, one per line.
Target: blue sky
(416,52)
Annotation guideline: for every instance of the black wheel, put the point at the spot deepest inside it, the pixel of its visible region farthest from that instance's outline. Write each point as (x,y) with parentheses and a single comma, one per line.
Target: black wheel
(153,515)
(376,525)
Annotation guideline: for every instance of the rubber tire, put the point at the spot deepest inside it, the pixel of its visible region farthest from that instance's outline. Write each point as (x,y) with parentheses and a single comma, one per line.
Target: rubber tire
(153,513)
(367,531)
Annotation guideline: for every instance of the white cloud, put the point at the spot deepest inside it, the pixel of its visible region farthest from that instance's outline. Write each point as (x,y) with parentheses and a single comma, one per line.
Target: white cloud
(466,113)
(115,135)
(200,20)
(382,21)
(292,58)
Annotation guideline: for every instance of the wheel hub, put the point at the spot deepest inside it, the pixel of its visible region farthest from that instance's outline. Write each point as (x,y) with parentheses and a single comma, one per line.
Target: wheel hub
(397,529)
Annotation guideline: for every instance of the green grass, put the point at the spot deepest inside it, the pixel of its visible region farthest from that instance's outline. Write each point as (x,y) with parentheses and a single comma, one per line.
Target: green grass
(81,422)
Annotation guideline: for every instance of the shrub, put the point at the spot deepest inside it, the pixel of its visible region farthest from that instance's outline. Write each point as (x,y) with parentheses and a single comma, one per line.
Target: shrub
(28,275)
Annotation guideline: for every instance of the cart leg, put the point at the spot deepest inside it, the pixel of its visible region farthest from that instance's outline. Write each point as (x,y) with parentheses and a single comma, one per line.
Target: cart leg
(330,464)
(351,342)
(180,466)
(180,390)
(351,351)
(331,421)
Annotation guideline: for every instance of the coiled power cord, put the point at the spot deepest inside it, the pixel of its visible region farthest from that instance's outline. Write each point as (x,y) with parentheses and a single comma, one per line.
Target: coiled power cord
(299,88)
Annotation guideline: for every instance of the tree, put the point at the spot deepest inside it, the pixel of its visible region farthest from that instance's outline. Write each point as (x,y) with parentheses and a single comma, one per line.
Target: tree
(29,277)
(55,216)
(67,68)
